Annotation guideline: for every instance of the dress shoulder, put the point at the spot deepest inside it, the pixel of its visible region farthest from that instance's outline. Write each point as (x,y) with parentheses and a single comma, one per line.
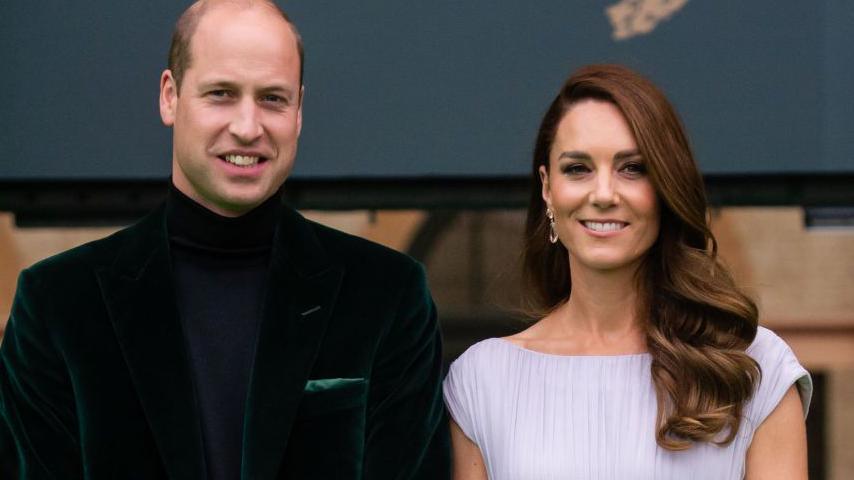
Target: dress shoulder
(463,387)
(780,370)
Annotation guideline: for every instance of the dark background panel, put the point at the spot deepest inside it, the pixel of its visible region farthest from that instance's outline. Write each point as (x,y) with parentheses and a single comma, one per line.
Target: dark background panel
(443,88)
(80,89)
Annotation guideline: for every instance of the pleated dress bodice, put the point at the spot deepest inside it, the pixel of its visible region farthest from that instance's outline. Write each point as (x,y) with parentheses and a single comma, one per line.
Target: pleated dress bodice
(542,416)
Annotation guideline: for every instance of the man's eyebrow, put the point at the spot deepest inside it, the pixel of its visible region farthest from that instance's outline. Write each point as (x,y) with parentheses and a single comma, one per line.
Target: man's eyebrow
(575,155)
(226,84)
(217,84)
(281,89)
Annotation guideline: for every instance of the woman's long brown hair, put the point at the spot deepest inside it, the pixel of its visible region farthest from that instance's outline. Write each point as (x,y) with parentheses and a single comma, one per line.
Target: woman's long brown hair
(698,323)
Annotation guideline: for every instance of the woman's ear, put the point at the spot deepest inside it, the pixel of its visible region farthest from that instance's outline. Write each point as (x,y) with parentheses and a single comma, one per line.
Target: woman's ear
(544,180)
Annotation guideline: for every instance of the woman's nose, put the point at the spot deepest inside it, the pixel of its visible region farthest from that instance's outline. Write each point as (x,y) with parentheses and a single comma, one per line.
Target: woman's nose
(603,195)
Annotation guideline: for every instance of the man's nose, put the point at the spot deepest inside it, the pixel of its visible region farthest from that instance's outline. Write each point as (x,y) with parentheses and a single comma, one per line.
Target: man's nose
(604,194)
(246,124)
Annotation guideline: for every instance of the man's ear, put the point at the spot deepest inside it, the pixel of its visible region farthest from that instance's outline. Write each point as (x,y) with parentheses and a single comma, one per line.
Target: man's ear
(544,180)
(168,98)
(299,110)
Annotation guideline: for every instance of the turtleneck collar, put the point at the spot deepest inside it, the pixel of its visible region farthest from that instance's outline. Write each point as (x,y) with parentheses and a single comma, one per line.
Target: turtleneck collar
(191,225)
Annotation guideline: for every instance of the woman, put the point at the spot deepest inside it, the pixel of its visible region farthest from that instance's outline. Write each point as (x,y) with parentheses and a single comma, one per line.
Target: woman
(646,361)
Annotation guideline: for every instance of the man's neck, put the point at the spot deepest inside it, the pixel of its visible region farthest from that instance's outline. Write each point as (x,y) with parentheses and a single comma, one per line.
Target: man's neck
(190,223)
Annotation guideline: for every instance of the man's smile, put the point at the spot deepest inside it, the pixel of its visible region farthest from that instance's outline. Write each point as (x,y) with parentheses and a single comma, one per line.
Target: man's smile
(243,160)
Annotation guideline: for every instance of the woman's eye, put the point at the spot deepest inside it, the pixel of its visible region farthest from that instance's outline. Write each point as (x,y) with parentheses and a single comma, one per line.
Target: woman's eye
(634,168)
(575,169)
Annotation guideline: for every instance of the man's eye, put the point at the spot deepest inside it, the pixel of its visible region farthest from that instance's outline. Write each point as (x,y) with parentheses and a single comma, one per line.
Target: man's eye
(274,99)
(220,93)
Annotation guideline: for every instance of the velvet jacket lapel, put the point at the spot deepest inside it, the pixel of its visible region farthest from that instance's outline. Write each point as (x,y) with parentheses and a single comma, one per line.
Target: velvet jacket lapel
(140,298)
(303,286)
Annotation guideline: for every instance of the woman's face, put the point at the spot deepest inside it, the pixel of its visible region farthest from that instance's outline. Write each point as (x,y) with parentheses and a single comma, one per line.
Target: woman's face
(605,207)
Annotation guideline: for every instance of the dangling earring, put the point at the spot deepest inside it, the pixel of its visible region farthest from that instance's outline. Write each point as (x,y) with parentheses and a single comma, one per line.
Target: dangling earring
(552,230)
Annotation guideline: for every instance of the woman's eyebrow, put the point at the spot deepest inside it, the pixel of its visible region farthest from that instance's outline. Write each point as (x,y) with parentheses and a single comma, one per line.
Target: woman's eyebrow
(575,155)
(623,154)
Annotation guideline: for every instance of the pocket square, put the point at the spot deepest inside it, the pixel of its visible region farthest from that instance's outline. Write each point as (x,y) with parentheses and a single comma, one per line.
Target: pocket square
(326,395)
(324,384)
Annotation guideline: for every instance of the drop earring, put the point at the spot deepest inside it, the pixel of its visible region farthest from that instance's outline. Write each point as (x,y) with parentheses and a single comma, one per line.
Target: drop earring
(552,230)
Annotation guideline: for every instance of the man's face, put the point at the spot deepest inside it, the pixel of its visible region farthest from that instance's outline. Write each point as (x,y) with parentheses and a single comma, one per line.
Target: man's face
(237,117)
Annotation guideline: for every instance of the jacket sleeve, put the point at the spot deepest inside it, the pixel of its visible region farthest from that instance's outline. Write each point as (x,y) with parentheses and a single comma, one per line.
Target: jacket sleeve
(38,425)
(407,428)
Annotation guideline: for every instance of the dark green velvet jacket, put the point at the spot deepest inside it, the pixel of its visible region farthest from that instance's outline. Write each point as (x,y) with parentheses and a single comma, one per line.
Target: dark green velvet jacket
(95,380)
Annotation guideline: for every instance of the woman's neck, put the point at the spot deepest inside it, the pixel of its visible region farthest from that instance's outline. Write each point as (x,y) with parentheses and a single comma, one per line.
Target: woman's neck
(601,315)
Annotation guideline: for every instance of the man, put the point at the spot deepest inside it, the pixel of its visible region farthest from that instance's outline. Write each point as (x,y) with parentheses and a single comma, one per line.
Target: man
(224,336)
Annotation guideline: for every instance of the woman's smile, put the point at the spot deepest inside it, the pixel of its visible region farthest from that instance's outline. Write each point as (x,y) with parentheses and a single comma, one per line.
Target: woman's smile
(604,204)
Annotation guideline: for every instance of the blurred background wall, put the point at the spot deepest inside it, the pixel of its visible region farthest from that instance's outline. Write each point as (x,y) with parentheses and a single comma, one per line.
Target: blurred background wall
(801,279)
(419,120)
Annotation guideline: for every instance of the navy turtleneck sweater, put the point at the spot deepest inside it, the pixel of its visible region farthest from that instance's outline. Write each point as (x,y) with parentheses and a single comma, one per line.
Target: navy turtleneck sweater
(220,269)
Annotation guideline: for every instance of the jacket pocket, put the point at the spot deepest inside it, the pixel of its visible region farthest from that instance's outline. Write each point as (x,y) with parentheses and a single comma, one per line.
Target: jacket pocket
(327,439)
(325,395)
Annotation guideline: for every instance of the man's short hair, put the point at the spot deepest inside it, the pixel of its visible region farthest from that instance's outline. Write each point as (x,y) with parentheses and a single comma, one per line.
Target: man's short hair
(179,50)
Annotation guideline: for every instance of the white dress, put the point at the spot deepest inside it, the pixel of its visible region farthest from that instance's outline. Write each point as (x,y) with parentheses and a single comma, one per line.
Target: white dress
(537,416)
